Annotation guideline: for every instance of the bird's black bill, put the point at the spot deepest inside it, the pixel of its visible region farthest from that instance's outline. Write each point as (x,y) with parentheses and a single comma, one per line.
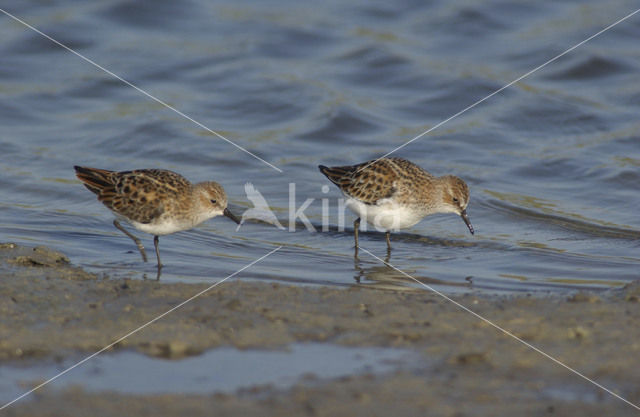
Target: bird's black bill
(232,216)
(466,220)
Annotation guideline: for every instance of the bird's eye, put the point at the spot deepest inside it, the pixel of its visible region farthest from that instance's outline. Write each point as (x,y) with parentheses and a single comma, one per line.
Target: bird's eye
(214,201)
(455,200)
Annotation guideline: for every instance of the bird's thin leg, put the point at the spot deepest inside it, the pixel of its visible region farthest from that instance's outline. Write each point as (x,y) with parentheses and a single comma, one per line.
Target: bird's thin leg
(358,267)
(156,241)
(388,237)
(135,239)
(356,226)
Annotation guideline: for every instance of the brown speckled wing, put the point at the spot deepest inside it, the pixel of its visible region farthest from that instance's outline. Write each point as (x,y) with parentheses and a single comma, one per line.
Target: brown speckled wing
(368,182)
(138,195)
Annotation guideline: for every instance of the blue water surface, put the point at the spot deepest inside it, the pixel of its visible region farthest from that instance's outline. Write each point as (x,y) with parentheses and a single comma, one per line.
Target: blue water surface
(553,161)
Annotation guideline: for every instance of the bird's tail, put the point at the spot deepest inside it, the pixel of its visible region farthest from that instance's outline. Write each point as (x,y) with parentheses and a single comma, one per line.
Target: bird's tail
(94,179)
(336,175)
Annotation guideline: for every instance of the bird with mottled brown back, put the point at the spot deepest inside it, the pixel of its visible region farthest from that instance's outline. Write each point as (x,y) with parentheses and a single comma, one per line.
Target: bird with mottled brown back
(394,193)
(155,201)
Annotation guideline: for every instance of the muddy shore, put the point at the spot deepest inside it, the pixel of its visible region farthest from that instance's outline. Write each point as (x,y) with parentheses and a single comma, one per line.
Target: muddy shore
(50,309)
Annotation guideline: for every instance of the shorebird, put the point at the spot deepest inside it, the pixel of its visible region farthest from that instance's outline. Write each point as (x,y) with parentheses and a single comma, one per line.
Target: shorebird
(393,193)
(155,201)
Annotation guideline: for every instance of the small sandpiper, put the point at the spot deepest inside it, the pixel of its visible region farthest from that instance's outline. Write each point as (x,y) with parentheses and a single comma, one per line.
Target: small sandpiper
(393,193)
(155,201)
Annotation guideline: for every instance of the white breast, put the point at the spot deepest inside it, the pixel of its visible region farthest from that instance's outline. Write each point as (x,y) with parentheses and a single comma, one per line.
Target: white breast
(386,214)
(163,228)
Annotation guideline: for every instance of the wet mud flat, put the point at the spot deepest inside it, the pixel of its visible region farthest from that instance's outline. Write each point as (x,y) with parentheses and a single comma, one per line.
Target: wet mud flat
(51,310)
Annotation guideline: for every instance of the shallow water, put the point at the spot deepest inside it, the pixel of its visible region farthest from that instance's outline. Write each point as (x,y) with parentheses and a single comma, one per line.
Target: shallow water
(553,162)
(230,371)
(220,370)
